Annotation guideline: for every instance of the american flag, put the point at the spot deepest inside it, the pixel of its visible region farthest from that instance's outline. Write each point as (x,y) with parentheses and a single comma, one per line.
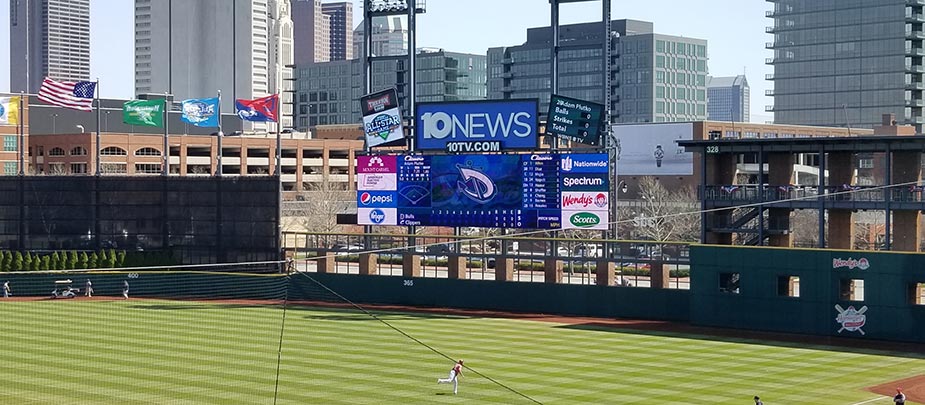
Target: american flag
(73,95)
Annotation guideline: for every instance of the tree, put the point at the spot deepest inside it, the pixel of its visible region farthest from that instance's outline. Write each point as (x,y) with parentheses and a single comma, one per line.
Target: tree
(46,262)
(36,263)
(120,259)
(83,261)
(111,257)
(71,262)
(664,215)
(93,261)
(56,262)
(6,259)
(27,261)
(17,262)
(804,228)
(317,207)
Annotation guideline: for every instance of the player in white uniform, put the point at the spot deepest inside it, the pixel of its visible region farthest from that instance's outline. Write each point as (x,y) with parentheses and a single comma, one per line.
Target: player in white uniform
(454,376)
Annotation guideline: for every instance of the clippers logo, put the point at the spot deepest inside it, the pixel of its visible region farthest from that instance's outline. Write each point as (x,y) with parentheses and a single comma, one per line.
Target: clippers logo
(377,216)
(475,184)
(851,264)
(851,320)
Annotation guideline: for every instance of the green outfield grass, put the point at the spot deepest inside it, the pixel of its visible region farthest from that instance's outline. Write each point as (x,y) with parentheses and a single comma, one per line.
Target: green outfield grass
(159,352)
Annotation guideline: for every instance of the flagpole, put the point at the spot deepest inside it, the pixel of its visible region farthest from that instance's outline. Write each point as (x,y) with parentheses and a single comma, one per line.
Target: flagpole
(98,137)
(166,153)
(279,136)
(22,134)
(218,171)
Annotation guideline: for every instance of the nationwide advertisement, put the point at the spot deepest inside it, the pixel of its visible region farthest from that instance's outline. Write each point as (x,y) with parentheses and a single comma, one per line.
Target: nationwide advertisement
(382,122)
(652,149)
(535,191)
(477,126)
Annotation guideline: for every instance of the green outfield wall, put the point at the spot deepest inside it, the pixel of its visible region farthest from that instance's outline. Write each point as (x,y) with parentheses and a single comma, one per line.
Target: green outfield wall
(861,294)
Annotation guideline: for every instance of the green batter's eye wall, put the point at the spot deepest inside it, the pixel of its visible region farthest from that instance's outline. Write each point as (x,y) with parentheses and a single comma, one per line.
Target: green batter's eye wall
(873,295)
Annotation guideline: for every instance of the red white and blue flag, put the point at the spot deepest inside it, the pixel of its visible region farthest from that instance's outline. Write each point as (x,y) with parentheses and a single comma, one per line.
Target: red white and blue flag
(73,95)
(261,110)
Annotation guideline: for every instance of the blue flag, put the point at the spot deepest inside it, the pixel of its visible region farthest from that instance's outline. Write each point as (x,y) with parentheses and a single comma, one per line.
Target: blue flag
(201,112)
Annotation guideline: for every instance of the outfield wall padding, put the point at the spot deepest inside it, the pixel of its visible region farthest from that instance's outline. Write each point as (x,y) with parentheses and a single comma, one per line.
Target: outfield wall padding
(889,311)
(560,299)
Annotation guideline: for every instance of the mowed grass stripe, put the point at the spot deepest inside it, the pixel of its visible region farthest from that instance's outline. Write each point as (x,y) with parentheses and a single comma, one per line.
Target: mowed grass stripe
(183,352)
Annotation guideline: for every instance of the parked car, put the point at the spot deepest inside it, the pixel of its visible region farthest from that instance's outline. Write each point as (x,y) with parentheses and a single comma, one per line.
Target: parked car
(347,248)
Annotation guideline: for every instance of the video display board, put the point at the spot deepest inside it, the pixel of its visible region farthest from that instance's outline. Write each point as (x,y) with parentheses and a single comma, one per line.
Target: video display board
(536,191)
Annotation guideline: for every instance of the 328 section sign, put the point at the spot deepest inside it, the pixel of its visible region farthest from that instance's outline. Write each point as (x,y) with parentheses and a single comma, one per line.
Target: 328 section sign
(534,191)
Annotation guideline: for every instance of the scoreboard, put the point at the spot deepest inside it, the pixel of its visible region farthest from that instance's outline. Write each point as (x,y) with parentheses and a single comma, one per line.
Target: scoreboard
(533,191)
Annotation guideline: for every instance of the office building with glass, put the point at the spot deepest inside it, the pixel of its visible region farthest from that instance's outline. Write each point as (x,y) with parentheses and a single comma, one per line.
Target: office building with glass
(847,62)
(728,99)
(329,93)
(655,77)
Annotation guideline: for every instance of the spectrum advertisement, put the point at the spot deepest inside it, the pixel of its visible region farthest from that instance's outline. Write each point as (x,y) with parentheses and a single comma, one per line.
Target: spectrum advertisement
(535,191)
(477,126)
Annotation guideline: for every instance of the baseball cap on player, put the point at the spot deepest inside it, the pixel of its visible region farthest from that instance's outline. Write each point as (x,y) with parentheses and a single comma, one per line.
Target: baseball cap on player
(460,361)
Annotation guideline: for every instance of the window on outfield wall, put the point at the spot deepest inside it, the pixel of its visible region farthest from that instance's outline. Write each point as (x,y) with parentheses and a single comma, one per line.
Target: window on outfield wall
(729,282)
(788,286)
(851,289)
(917,293)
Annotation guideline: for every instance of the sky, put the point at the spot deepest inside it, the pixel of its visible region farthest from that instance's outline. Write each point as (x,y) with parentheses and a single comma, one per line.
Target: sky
(734,29)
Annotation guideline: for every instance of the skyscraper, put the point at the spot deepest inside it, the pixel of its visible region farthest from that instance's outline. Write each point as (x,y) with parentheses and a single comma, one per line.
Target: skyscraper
(728,99)
(194,48)
(656,78)
(48,38)
(841,63)
(310,33)
(390,37)
(340,29)
(329,92)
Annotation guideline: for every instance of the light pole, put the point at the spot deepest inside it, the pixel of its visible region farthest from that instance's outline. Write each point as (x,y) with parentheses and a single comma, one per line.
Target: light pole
(106,126)
(54,127)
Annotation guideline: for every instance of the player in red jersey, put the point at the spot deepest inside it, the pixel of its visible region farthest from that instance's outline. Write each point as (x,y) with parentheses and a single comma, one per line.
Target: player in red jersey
(454,376)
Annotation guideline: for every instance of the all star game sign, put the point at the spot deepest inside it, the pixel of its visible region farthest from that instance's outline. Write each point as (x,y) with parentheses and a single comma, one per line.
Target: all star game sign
(382,122)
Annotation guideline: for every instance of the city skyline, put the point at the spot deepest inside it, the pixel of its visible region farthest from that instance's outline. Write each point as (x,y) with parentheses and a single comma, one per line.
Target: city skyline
(112,45)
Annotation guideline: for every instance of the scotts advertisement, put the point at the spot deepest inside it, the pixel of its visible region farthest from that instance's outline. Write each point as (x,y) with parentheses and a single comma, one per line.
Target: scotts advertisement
(476,126)
(532,191)
(381,118)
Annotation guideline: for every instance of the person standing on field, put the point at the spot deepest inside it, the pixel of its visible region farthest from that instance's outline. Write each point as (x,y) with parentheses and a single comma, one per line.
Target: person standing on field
(758,401)
(6,289)
(899,398)
(455,372)
(88,290)
(125,289)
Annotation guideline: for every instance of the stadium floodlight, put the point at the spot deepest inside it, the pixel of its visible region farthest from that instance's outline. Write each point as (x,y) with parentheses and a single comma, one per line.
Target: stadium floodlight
(379,6)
